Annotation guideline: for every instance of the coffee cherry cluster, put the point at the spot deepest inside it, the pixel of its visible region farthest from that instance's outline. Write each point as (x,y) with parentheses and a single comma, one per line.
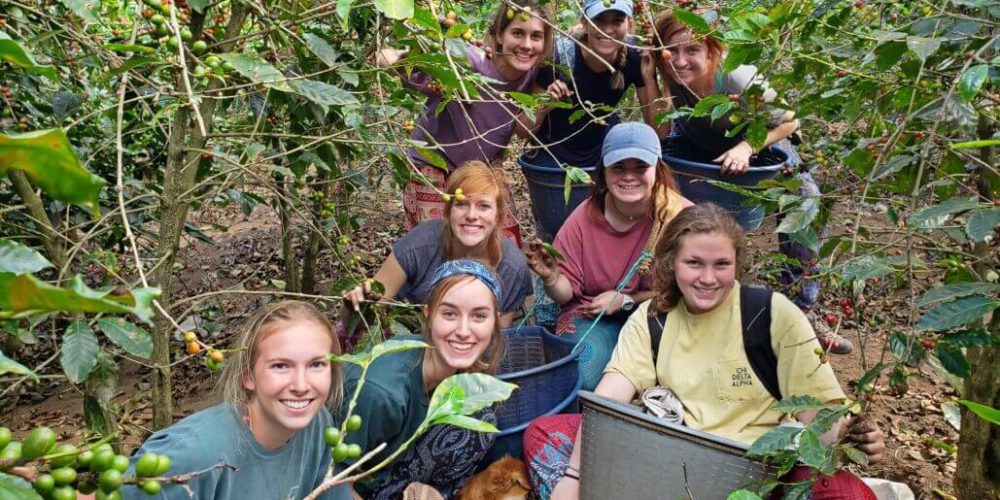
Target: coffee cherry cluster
(63,469)
(334,438)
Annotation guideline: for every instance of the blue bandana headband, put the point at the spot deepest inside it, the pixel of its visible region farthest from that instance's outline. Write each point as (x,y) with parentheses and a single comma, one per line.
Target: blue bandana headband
(469,268)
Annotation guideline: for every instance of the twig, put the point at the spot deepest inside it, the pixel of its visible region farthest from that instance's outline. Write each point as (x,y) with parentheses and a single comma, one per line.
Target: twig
(343,477)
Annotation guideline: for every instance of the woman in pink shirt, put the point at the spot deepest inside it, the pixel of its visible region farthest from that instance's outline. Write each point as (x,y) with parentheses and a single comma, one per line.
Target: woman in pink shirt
(634,196)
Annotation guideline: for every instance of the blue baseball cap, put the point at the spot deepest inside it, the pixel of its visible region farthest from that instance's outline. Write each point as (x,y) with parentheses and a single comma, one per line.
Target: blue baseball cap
(631,140)
(594,8)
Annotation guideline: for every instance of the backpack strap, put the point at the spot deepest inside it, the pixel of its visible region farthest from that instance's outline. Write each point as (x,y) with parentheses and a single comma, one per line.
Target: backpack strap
(755,315)
(655,323)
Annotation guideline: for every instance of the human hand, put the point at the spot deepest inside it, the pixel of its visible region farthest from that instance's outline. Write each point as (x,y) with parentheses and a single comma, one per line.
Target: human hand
(558,90)
(610,298)
(866,436)
(647,66)
(359,294)
(566,489)
(736,160)
(542,262)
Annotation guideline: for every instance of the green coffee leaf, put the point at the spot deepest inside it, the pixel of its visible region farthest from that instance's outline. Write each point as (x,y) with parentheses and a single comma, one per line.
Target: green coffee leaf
(322,93)
(15,488)
(79,351)
(982,224)
(811,450)
(395,9)
(465,422)
(953,359)
(957,313)
(776,439)
(797,404)
(133,339)
(18,259)
(800,217)
(972,80)
(936,215)
(18,56)
(855,455)
(991,415)
(25,295)
(321,48)
(48,160)
(956,290)
(8,365)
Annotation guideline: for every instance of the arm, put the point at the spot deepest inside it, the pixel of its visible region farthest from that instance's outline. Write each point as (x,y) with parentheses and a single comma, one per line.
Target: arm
(612,386)
(613,299)
(650,97)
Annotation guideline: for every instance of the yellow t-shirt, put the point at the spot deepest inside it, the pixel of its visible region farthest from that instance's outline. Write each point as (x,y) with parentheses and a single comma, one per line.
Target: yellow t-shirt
(703,362)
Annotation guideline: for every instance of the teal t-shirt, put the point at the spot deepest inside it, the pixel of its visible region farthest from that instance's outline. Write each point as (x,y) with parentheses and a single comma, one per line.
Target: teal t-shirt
(392,404)
(218,434)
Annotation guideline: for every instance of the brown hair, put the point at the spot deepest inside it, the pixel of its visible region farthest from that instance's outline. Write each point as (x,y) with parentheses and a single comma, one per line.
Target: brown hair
(494,352)
(500,22)
(266,321)
(664,180)
(667,26)
(475,177)
(696,219)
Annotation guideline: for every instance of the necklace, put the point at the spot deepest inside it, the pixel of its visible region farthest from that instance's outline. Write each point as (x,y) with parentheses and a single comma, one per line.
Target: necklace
(614,206)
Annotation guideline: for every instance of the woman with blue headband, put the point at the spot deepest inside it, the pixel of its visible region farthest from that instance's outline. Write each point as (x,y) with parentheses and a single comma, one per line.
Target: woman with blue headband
(462,328)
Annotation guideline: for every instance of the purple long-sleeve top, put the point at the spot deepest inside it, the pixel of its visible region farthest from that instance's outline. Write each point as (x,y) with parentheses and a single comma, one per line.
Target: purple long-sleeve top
(477,130)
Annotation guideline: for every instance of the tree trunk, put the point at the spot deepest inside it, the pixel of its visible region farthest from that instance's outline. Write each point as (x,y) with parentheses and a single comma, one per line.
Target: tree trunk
(50,238)
(178,181)
(978,472)
(292,283)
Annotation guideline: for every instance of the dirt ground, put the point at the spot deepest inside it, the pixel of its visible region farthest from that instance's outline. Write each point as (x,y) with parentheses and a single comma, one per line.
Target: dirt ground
(921,441)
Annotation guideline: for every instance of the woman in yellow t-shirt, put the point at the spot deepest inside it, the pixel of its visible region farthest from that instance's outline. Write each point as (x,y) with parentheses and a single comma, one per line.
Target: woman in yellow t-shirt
(700,355)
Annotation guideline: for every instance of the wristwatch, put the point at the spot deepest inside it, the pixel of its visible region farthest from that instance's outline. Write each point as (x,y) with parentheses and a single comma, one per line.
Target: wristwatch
(628,303)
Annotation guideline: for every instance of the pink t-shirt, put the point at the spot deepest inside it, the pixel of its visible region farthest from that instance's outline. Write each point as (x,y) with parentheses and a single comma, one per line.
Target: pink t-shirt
(597,257)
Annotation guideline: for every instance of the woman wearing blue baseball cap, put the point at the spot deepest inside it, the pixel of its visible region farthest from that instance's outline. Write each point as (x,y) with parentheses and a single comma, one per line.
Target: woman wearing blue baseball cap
(463,331)
(634,196)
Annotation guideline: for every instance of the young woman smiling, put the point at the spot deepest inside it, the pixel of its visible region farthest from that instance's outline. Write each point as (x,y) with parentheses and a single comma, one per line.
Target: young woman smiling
(603,69)
(701,351)
(482,128)
(634,196)
(277,386)
(463,331)
(470,229)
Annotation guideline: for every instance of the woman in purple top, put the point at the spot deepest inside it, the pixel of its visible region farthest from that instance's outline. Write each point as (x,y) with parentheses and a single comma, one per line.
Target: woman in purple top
(477,129)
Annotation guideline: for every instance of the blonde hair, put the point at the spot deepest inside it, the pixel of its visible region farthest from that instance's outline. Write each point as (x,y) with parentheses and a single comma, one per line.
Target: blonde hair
(696,219)
(267,320)
(494,352)
(475,177)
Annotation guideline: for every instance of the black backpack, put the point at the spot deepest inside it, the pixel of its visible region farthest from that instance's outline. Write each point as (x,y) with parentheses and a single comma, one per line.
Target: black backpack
(755,315)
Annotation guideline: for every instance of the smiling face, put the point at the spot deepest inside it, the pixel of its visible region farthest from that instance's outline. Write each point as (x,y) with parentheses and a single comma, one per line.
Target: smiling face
(289,380)
(473,220)
(690,59)
(705,270)
(462,324)
(630,181)
(520,47)
(606,32)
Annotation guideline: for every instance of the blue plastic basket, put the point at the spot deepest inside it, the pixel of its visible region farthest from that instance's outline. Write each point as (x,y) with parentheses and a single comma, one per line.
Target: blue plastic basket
(692,167)
(548,378)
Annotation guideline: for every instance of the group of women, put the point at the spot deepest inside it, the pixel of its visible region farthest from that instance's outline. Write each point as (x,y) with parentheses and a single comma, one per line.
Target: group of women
(634,249)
